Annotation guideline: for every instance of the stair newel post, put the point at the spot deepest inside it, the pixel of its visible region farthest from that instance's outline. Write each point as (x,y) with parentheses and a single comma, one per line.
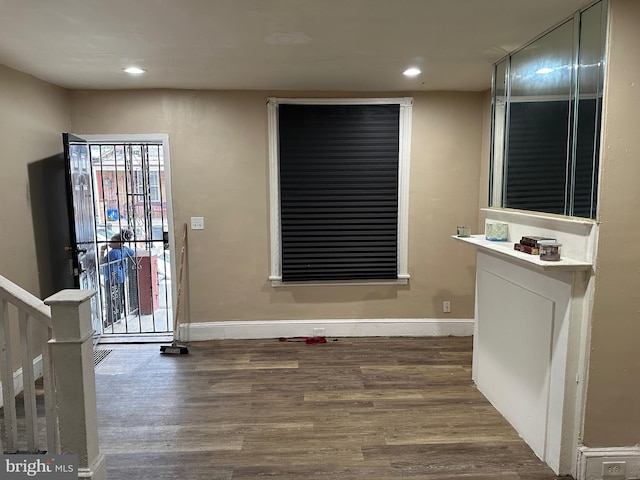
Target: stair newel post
(72,353)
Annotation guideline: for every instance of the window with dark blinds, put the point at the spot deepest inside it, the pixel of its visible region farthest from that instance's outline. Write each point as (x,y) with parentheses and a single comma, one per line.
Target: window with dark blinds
(338,168)
(539,173)
(536,174)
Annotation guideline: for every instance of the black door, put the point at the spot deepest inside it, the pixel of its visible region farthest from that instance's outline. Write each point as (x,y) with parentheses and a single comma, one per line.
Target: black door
(82,220)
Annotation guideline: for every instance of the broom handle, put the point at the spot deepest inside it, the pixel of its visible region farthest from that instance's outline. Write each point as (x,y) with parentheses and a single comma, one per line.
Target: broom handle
(182,254)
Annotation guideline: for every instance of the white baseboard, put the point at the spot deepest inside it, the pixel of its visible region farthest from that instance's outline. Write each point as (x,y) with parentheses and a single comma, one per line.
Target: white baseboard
(386,327)
(591,463)
(18,380)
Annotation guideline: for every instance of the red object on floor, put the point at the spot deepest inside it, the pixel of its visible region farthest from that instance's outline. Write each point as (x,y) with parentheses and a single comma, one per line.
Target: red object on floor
(307,340)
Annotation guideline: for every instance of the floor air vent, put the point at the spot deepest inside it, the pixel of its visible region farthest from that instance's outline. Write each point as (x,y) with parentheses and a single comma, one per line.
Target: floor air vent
(100,355)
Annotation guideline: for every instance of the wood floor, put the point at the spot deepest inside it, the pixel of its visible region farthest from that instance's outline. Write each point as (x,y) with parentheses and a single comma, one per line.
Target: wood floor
(353,409)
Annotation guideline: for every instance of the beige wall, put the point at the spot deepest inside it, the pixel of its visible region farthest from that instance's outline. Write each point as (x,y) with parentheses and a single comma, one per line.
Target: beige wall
(612,416)
(219,167)
(33,115)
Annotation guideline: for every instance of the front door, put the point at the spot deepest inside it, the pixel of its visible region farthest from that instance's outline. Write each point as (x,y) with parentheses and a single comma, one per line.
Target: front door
(82,221)
(132,204)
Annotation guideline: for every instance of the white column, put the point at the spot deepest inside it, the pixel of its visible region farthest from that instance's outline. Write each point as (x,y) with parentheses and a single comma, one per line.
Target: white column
(72,353)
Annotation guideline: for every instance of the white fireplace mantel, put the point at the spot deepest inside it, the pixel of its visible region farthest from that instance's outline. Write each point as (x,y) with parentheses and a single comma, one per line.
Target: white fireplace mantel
(530,330)
(507,251)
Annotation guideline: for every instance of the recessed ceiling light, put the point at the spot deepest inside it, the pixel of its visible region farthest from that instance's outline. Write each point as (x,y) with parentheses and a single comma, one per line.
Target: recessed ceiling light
(134,70)
(412,72)
(544,70)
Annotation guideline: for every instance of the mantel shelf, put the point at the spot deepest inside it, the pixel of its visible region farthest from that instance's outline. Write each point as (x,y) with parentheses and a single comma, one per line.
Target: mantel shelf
(505,249)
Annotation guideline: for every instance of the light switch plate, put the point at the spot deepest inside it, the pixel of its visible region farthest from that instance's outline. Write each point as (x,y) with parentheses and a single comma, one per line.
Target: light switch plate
(197,223)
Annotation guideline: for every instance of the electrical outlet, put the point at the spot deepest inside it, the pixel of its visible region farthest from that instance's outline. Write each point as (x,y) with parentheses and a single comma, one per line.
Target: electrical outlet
(614,470)
(446,306)
(318,332)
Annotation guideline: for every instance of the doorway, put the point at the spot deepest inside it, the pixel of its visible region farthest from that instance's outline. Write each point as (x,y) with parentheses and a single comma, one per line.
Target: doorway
(132,205)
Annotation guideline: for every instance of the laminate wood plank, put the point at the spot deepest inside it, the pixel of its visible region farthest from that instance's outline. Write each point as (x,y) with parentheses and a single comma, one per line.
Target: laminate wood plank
(479,458)
(323,472)
(354,409)
(235,387)
(442,436)
(445,372)
(263,365)
(167,466)
(365,395)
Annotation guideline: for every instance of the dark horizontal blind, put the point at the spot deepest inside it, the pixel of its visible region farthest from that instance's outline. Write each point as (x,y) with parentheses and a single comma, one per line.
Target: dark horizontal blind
(587,153)
(536,176)
(339,191)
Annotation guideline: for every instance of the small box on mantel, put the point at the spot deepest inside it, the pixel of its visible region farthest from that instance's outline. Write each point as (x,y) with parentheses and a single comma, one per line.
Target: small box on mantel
(534,241)
(496,231)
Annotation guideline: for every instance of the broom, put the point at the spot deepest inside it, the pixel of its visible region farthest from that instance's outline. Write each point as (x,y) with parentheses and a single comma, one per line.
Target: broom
(175,348)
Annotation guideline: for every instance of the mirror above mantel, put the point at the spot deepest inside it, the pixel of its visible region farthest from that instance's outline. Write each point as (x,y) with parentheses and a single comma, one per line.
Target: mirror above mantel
(546,114)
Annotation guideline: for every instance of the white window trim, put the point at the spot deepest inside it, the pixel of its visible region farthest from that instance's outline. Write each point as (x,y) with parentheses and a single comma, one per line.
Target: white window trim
(406,104)
(154,184)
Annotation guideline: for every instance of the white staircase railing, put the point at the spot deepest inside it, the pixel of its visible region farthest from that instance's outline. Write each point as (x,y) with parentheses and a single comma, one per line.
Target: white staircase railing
(60,328)
(30,310)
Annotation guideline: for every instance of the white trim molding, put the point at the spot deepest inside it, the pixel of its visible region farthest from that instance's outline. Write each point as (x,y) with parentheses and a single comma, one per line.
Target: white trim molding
(381,327)
(274,190)
(591,463)
(404,156)
(398,281)
(404,161)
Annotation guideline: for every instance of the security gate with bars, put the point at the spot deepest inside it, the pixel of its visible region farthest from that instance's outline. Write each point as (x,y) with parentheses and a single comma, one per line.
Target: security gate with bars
(131,212)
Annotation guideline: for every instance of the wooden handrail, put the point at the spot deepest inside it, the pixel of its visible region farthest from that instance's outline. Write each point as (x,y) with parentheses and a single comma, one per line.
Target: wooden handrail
(25,301)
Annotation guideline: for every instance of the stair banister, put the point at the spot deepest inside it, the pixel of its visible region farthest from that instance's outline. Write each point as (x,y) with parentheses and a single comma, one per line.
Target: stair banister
(74,374)
(67,371)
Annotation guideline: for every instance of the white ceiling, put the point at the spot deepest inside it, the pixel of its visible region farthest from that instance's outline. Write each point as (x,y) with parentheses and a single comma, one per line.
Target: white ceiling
(340,45)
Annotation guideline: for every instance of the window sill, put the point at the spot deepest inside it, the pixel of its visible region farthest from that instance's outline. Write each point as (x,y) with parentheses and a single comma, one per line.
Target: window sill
(505,249)
(276,282)
(512,214)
